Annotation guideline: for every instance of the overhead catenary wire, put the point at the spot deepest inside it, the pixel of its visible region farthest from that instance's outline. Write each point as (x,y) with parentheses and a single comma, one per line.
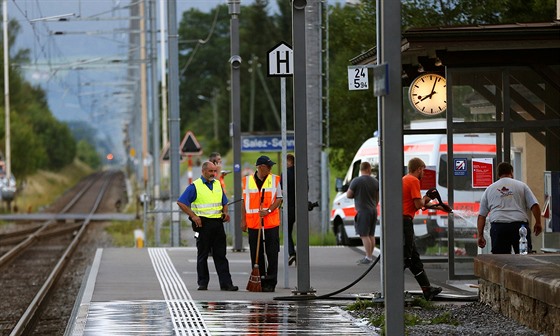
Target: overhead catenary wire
(201,42)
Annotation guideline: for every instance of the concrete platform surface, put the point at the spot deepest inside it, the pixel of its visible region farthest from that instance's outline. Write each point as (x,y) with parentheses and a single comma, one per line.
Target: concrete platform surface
(153,291)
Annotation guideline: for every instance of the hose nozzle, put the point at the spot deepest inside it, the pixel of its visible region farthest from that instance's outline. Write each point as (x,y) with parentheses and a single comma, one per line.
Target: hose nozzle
(432,193)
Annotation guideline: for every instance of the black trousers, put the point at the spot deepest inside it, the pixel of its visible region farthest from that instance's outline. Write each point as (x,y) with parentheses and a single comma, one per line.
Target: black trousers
(411,257)
(269,273)
(504,236)
(291,222)
(212,237)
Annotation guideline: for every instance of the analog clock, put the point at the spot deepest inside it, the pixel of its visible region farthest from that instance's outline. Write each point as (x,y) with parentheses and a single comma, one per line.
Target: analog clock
(428,94)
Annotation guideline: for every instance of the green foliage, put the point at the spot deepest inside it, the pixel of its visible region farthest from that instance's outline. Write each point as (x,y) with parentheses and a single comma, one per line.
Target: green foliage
(529,11)
(352,31)
(205,68)
(378,321)
(26,147)
(362,304)
(461,12)
(318,239)
(205,71)
(38,140)
(419,301)
(376,317)
(445,318)
(88,154)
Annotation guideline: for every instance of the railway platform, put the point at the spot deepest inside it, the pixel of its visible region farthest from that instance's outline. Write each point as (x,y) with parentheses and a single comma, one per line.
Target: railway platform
(153,291)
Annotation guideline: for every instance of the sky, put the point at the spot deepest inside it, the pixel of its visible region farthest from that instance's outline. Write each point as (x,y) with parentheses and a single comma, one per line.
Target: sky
(78,69)
(93,35)
(88,40)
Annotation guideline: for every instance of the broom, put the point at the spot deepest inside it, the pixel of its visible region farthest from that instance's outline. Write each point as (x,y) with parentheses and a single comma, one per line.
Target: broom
(254,284)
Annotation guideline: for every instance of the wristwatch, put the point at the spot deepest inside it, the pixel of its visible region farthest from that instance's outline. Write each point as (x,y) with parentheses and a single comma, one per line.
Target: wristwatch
(269,211)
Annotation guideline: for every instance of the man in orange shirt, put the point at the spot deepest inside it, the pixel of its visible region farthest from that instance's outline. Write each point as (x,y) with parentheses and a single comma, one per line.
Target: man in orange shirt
(412,202)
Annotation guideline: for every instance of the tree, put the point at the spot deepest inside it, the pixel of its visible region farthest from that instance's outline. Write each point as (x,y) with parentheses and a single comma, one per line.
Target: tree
(353,114)
(28,153)
(430,13)
(88,154)
(205,70)
(38,140)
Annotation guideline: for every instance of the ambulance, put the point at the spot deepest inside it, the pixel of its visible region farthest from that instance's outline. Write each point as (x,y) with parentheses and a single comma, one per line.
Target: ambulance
(430,226)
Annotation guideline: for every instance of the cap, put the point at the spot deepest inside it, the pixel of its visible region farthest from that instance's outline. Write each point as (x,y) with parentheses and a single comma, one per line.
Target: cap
(265,160)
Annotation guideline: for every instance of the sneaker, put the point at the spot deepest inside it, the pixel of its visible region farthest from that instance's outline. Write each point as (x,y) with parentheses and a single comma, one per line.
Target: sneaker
(291,260)
(364,261)
(202,287)
(431,292)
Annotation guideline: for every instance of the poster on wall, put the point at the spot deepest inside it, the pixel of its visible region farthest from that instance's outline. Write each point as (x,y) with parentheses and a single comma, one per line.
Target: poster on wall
(482,172)
(428,181)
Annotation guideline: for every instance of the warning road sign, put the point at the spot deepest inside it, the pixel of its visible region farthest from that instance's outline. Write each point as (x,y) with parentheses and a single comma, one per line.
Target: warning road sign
(189,145)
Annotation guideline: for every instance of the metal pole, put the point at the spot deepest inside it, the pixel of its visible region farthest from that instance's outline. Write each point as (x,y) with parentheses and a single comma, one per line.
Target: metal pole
(7,93)
(325,172)
(163,66)
(155,116)
(143,91)
(379,122)
(235,126)
(300,137)
(284,181)
(174,119)
(389,14)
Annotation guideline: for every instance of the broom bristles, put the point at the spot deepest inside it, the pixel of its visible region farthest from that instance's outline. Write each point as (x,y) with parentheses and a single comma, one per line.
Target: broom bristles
(254,284)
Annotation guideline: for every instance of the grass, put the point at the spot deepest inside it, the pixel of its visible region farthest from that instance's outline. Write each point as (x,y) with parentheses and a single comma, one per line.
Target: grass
(43,188)
(122,233)
(410,319)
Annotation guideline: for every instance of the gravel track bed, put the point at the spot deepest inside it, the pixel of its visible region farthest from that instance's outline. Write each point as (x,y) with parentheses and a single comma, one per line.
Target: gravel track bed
(19,286)
(472,319)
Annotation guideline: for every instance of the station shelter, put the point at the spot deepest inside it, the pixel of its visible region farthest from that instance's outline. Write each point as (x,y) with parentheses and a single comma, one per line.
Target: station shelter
(499,79)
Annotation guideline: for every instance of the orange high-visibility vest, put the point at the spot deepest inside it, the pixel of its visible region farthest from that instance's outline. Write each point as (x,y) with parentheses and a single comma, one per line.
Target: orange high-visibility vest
(252,201)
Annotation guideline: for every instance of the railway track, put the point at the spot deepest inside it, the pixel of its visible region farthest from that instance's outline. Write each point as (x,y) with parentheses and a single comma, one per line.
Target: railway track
(35,258)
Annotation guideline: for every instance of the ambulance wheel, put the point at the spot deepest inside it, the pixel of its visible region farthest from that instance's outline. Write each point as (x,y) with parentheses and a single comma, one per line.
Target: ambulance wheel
(341,237)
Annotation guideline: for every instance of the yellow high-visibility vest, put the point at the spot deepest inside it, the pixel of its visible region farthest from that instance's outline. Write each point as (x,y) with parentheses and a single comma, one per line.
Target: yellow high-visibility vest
(208,203)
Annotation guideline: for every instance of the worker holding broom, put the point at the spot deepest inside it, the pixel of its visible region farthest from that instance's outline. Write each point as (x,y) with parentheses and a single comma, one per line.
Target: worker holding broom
(262,197)
(206,204)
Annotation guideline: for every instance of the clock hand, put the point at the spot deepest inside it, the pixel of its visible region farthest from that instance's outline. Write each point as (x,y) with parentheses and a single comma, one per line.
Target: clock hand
(434,87)
(428,96)
(432,93)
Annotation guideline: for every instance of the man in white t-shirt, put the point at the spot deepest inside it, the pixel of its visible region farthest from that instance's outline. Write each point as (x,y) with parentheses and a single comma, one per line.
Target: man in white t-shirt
(506,203)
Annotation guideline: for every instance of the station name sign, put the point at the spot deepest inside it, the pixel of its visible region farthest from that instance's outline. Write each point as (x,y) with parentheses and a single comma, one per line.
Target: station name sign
(266,143)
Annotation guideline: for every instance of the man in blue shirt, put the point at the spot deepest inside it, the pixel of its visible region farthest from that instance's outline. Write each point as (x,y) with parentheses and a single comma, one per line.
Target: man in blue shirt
(206,204)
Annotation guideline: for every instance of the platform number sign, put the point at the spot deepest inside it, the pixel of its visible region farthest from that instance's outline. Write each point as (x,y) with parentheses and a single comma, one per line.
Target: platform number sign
(358,78)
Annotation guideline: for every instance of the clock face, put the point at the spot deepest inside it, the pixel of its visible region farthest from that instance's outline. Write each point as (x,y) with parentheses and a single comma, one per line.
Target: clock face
(428,94)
